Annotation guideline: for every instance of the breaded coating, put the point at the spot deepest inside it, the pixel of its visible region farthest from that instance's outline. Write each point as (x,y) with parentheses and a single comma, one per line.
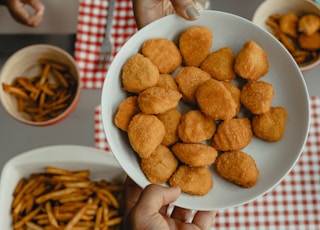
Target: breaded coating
(237,167)
(195,44)
(145,133)
(167,81)
(219,64)
(235,93)
(192,180)
(126,110)
(215,100)
(160,165)
(251,62)
(195,154)
(188,79)
(233,134)
(257,96)
(195,127)
(138,74)
(155,100)
(163,53)
(170,120)
(271,125)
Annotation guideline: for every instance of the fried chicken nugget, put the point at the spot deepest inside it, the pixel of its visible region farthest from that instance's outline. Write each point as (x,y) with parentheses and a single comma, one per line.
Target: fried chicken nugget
(235,93)
(233,134)
(160,165)
(219,64)
(195,154)
(163,53)
(215,100)
(155,100)
(126,110)
(195,44)
(195,127)
(170,120)
(271,125)
(138,74)
(237,167)
(145,133)
(167,81)
(188,79)
(192,180)
(251,62)
(257,96)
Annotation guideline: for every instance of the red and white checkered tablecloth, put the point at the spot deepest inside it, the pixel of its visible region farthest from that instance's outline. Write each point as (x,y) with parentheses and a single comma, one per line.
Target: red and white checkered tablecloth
(293,204)
(92,22)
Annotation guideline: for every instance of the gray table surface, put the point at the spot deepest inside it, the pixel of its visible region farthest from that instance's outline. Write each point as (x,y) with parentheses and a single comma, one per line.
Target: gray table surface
(78,128)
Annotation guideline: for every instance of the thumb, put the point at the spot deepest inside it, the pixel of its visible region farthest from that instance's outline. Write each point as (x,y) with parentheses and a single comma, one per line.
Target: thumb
(155,196)
(186,9)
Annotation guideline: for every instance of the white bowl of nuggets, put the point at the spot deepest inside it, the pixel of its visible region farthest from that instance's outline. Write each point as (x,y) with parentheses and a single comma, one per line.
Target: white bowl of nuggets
(215,106)
(296,24)
(61,187)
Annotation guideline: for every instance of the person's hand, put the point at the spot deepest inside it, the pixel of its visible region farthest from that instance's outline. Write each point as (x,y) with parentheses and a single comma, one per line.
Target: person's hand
(146,11)
(18,10)
(148,209)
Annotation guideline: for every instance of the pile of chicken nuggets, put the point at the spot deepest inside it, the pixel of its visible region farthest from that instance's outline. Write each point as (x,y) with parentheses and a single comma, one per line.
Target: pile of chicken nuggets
(299,34)
(186,111)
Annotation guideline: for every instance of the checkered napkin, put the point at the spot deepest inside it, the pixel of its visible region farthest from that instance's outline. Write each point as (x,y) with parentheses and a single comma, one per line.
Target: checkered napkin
(293,204)
(92,21)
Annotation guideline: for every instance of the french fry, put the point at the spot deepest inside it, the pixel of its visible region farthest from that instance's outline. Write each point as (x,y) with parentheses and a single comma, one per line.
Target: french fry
(62,199)
(45,96)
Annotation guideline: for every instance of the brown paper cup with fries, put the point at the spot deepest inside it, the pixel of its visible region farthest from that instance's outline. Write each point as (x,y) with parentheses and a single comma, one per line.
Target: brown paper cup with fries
(40,85)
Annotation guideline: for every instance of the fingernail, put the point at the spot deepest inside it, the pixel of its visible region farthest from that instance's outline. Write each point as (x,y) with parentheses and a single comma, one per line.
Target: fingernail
(192,12)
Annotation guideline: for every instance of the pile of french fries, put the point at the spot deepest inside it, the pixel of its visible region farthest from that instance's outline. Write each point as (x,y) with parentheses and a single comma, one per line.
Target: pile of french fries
(47,95)
(59,199)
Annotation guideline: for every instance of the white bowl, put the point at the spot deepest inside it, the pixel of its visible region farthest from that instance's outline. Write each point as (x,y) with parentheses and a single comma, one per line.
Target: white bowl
(274,160)
(299,7)
(72,157)
(24,62)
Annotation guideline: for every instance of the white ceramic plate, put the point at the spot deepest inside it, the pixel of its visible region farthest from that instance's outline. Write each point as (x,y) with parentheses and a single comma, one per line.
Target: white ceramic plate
(100,164)
(274,160)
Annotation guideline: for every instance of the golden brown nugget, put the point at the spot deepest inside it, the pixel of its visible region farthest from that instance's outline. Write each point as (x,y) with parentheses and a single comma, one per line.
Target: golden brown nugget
(192,180)
(155,100)
(271,125)
(170,120)
(309,24)
(163,53)
(145,133)
(188,79)
(257,96)
(251,62)
(195,154)
(167,81)
(219,64)
(233,134)
(160,165)
(138,74)
(237,167)
(126,110)
(235,93)
(195,127)
(215,100)
(195,44)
